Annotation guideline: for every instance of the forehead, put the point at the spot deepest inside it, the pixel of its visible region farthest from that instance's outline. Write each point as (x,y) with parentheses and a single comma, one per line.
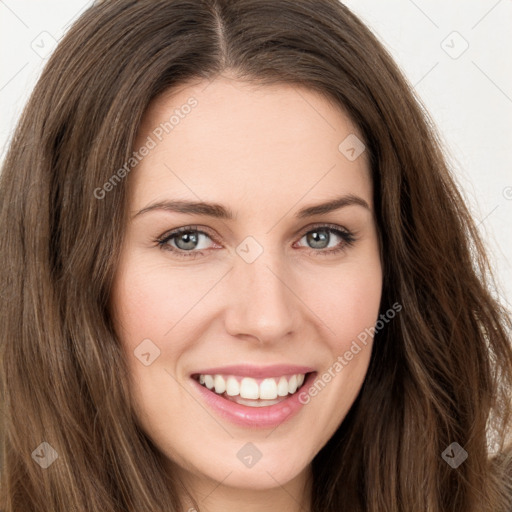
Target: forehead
(225,139)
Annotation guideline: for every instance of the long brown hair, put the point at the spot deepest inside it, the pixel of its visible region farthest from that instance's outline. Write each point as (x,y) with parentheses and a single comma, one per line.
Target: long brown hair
(440,373)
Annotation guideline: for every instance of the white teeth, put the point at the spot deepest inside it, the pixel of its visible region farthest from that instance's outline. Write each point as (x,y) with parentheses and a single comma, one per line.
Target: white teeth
(208,380)
(220,384)
(282,387)
(292,384)
(232,387)
(254,403)
(268,389)
(248,388)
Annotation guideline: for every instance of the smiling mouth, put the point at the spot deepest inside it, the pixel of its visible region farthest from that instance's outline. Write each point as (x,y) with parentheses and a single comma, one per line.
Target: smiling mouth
(250,391)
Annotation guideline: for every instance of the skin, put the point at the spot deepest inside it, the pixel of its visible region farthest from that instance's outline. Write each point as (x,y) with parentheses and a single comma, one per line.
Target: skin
(264,152)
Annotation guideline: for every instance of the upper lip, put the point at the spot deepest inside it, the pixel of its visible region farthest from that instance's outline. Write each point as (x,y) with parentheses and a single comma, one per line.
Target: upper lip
(257,372)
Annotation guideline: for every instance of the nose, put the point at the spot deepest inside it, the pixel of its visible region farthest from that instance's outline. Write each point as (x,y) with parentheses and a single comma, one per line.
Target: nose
(262,303)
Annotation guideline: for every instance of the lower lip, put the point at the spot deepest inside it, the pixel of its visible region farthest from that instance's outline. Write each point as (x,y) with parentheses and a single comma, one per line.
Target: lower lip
(259,417)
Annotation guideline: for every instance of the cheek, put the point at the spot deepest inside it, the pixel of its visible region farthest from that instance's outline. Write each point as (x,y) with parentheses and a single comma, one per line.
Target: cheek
(152,299)
(346,301)
(350,308)
(357,307)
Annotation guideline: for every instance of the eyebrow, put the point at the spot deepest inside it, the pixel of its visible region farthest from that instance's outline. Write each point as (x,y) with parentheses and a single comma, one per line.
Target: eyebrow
(221,212)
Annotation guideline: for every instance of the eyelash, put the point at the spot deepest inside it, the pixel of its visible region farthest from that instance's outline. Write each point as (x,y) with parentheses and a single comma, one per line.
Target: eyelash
(347,237)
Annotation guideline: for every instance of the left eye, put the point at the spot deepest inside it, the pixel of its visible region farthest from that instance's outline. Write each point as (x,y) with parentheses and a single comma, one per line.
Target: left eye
(320,238)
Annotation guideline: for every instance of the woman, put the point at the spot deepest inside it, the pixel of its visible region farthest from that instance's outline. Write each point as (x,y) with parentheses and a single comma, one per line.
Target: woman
(175,333)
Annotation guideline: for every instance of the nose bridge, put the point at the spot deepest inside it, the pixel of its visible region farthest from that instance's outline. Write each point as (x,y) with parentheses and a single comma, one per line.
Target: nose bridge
(262,303)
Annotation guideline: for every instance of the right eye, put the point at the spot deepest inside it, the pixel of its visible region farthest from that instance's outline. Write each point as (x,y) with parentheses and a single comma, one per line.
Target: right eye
(187,239)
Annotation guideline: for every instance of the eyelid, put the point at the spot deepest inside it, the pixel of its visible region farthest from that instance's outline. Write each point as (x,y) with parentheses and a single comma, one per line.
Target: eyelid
(318,225)
(185,229)
(207,231)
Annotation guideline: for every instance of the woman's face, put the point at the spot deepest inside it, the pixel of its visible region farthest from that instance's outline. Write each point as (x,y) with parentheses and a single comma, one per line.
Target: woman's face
(264,288)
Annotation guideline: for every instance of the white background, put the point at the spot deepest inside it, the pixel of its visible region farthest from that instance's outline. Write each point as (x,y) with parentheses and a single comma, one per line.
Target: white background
(467,91)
